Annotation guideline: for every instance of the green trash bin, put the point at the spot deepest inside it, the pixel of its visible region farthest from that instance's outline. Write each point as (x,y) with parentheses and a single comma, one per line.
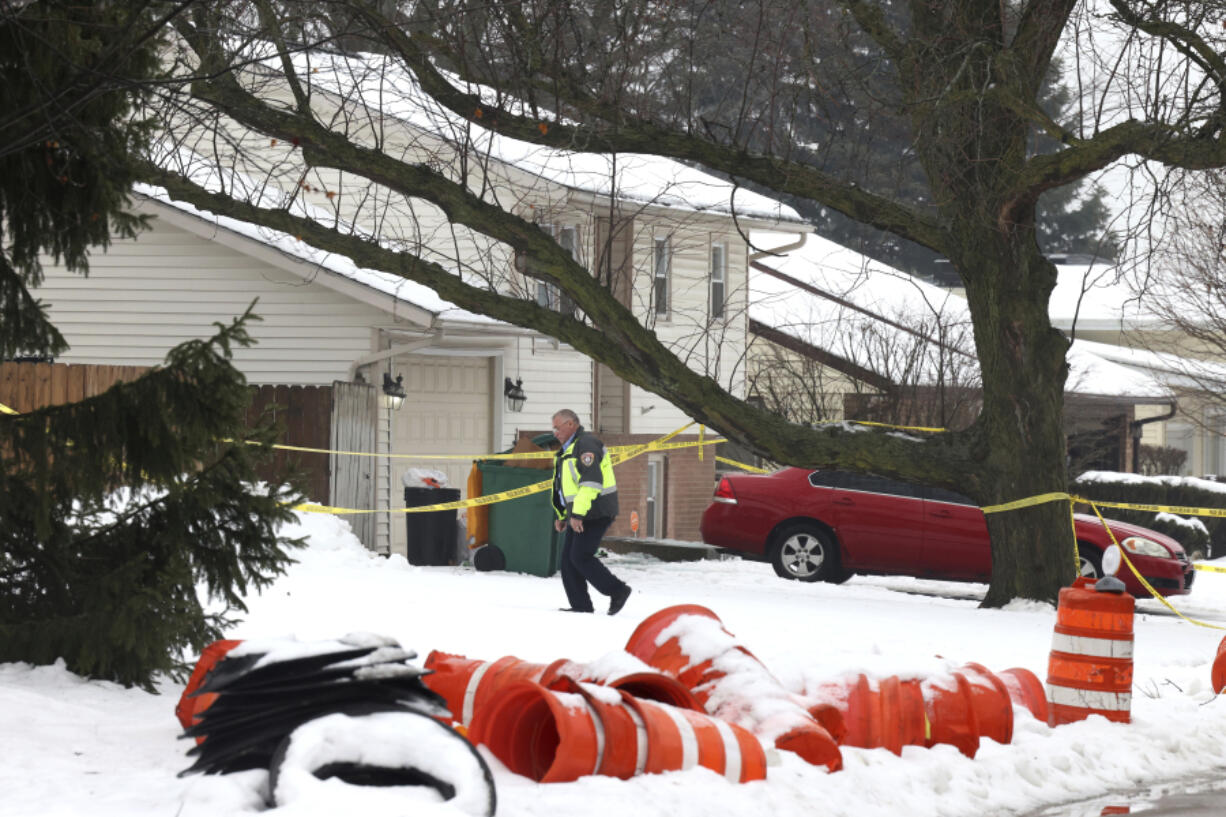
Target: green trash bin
(521,528)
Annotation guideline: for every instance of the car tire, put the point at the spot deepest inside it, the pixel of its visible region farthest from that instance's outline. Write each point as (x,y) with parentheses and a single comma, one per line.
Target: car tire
(1090,561)
(807,553)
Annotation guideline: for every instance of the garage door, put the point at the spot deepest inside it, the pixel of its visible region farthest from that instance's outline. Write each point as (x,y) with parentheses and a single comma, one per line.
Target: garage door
(447,412)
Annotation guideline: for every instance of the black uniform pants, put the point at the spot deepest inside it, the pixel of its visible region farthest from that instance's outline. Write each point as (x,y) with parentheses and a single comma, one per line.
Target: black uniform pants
(580,565)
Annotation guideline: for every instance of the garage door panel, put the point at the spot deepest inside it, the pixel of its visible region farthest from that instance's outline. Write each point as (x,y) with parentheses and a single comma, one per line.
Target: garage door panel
(448,411)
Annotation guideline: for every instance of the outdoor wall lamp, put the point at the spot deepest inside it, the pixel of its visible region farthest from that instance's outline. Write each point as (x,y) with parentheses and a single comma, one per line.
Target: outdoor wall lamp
(514,392)
(394,389)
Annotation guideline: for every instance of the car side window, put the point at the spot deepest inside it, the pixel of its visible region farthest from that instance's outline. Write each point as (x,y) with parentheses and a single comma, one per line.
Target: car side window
(827,479)
(945,495)
(880,485)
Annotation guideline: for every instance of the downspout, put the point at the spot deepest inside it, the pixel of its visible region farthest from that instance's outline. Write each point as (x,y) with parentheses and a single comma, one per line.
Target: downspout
(1134,428)
(786,248)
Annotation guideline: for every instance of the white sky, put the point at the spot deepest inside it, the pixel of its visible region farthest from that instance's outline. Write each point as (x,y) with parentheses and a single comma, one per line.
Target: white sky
(92,749)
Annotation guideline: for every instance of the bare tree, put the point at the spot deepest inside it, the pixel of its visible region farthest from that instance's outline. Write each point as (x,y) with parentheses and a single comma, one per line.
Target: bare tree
(961,78)
(826,358)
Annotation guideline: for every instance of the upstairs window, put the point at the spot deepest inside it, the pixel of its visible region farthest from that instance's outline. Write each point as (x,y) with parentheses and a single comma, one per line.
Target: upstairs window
(661,259)
(546,294)
(719,278)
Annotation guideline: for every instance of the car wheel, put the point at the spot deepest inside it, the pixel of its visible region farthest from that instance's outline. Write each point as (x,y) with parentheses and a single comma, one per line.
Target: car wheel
(807,553)
(1090,561)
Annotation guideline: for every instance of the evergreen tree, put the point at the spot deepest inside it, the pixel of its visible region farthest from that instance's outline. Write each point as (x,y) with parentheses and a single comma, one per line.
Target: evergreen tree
(68,75)
(114,509)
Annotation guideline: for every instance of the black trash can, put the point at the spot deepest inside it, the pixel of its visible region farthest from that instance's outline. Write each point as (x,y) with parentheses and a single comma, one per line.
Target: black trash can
(431,534)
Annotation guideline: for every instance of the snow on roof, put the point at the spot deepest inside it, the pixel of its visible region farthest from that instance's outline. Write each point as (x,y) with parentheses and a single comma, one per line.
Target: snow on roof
(381,83)
(890,296)
(1095,296)
(399,288)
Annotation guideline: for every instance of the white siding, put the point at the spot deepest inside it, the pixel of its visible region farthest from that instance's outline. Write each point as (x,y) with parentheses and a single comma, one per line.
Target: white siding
(713,347)
(555,377)
(145,296)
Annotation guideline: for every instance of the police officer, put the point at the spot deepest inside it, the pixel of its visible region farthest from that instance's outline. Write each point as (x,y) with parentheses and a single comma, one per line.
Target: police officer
(585,502)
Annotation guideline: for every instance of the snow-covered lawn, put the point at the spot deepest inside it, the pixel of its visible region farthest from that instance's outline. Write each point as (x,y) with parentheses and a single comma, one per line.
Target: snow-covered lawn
(75,747)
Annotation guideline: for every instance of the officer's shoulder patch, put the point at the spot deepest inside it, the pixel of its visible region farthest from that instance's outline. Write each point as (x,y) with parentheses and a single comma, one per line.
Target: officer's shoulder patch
(588,458)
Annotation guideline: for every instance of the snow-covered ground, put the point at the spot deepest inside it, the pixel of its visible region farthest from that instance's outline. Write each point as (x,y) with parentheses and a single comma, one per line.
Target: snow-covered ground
(74,747)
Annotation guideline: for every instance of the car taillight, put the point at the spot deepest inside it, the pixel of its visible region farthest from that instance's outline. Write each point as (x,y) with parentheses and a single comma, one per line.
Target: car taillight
(724,492)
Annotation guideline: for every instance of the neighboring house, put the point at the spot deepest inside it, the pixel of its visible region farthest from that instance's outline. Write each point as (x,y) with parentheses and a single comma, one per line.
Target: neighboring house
(661,234)
(837,335)
(1120,328)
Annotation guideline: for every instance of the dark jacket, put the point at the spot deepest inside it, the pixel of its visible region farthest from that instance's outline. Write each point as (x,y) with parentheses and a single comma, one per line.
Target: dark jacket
(583,471)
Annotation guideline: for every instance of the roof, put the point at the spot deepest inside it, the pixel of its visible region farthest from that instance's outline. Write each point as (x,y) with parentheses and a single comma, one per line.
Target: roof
(379,82)
(855,307)
(313,260)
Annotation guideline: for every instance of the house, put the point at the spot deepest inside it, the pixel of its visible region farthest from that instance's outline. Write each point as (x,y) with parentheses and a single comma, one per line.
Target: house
(1128,328)
(669,238)
(839,335)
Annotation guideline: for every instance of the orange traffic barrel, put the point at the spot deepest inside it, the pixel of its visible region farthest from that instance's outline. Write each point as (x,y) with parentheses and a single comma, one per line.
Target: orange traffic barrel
(885,714)
(1089,671)
(958,708)
(772,713)
(466,683)
(991,701)
(558,735)
(1219,669)
(190,705)
(1025,689)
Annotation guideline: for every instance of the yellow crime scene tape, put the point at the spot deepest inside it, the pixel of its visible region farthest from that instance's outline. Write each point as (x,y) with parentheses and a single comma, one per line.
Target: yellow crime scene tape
(1072,499)
(522,455)
(1144,583)
(928,429)
(624,453)
(743,466)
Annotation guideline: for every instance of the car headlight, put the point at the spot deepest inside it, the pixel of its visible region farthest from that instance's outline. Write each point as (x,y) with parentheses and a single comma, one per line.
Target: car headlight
(1145,547)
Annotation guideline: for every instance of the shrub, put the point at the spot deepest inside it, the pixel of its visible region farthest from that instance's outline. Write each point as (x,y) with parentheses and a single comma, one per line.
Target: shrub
(1110,486)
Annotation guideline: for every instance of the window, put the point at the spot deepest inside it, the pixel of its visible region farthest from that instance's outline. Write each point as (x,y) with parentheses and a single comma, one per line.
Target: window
(871,483)
(719,270)
(655,496)
(568,238)
(660,263)
(546,294)
(944,495)
(828,479)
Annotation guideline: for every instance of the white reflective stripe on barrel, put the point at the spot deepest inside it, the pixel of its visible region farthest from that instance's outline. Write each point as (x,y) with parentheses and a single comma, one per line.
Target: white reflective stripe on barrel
(1085,645)
(689,740)
(732,751)
(1089,698)
(598,728)
(640,739)
(470,692)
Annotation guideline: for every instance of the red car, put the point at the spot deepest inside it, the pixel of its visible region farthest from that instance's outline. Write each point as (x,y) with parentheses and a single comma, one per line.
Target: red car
(828,525)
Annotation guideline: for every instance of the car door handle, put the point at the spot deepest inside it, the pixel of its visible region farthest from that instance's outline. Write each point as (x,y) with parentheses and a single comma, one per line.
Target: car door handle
(942,514)
(844,501)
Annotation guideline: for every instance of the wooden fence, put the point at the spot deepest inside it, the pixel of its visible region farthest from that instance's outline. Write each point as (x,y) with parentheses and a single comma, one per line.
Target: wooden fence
(304,412)
(29,386)
(305,415)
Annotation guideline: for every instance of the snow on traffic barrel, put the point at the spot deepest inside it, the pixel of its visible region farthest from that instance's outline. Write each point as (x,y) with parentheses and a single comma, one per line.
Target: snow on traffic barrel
(1089,671)
(689,642)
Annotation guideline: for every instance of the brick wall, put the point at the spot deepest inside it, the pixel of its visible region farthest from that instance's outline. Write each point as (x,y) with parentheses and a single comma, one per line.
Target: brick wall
(689,483)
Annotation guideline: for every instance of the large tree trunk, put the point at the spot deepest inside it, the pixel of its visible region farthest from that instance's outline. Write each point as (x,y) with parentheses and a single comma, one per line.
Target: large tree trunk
(1018,439)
